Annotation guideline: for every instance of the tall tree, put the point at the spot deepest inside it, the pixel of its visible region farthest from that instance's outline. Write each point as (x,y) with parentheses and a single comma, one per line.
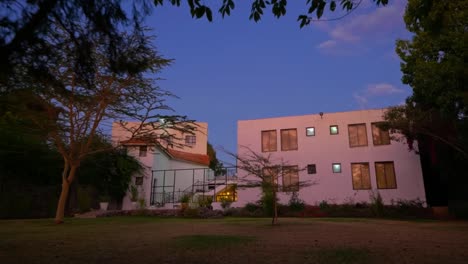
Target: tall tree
(434,66)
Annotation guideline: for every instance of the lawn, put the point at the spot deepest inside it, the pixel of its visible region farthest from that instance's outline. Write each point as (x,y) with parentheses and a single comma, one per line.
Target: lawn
(232,240)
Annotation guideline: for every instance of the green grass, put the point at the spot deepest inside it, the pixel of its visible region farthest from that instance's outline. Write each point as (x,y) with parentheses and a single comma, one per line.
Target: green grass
(342,255)
(210,241)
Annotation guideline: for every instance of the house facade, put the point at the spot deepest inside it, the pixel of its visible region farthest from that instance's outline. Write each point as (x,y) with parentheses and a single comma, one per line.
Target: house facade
(344,157)
(171,165)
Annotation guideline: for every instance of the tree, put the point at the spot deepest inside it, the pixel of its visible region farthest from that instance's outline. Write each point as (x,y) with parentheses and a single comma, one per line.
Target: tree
(436,114)
(215,164)
(267,173)
(72,112)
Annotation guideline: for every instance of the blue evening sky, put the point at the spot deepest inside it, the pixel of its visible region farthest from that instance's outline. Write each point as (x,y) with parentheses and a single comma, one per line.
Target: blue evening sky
(234,69)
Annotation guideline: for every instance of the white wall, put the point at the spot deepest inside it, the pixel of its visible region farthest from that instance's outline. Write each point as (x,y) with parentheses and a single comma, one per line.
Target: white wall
(324,149)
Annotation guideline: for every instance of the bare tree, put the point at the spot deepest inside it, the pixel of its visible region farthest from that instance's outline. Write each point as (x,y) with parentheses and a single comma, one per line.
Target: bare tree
(268,173)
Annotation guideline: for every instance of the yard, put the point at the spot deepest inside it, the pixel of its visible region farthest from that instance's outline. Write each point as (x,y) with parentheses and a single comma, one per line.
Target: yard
(232,240)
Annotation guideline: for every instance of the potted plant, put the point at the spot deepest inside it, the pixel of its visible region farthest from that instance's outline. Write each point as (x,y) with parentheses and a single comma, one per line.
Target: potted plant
(104,202)
(184,201)
(134,196)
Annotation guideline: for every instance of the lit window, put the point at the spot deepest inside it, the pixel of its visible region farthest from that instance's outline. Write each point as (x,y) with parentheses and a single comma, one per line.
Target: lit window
(290,179)
(361,176)
(143,151)
(190,140)
(334,130)
(379,136)
(311,169)
(269,141)
(310,131)
(357,135)
(336,167)
(385,173)
(288,139)
(138,180)
(228,194)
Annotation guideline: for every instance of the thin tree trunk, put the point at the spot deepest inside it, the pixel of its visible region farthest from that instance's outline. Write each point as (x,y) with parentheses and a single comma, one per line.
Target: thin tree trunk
(275,210)
(67,178)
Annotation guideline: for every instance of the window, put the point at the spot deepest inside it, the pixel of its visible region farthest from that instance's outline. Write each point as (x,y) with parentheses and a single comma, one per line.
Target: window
(357,135)
(138,180)
(334,130)
(290,179)
(190,140)
(311,169)
(228,194)
(336,167)
(270,176)
(385,173)
(288,139)
(143,151)
(269,141)
(310,131)
(379,136)
(361,176)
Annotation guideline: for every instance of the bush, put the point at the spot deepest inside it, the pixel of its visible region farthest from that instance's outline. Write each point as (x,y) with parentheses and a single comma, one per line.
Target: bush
(202,212)
(225,203)
(251,207)
(296,204)
(376,205)
(85,198)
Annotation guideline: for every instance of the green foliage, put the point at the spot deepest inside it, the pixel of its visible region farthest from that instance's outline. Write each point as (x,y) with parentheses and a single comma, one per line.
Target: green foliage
(376,205)
(295,203)
(204,201)
(215,164)
(85,197)
(185,198)
(225,203)
(267,201)
(133,193)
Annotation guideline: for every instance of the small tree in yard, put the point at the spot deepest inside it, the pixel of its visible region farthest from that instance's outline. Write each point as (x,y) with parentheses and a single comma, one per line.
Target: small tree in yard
(268,173)
(74,110)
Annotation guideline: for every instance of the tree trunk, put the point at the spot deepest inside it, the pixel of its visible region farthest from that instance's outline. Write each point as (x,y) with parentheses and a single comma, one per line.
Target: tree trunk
(274,221)
(67,178)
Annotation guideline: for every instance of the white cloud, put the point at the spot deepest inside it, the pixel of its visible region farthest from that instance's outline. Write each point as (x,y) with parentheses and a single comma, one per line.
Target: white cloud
(376,24)
(329,44)
(382,89)
(362,97)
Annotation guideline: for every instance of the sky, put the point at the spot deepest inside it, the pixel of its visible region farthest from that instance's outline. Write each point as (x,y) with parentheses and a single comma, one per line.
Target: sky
(235,69)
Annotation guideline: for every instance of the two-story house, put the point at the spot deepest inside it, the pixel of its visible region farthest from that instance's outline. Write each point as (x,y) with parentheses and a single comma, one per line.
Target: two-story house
(345,154)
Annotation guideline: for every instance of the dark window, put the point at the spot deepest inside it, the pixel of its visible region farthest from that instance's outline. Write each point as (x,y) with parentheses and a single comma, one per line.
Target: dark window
(289,139)
(269,141)
(138,180)
(311,169)
(143,151)
(270,176)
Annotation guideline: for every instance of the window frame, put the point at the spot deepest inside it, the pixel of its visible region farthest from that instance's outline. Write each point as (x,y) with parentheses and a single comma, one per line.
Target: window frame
(307,132)
(139,181)
(274,178)
(349,135)
(337,130)
(394,174)
(314,166)
(291,187)
(281,139)
(142,151)
(375,124)
(333,167)
(352,176)
(190,140)
(269,138)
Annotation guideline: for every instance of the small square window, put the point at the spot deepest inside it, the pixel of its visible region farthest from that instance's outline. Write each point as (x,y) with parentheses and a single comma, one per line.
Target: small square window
(310,131)
(190,140)
(334,130)
(143,151)
(336,167)
(138,180)
(311,169)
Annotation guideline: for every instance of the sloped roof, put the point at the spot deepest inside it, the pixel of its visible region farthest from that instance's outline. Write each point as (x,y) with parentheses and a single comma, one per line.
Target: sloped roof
(202,159)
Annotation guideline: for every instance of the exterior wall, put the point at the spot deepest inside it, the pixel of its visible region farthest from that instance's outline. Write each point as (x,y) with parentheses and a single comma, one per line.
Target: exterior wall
(324,149)
(201,132)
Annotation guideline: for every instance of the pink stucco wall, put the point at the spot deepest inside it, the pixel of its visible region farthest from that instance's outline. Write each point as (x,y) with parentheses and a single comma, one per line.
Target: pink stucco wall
(324,149)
